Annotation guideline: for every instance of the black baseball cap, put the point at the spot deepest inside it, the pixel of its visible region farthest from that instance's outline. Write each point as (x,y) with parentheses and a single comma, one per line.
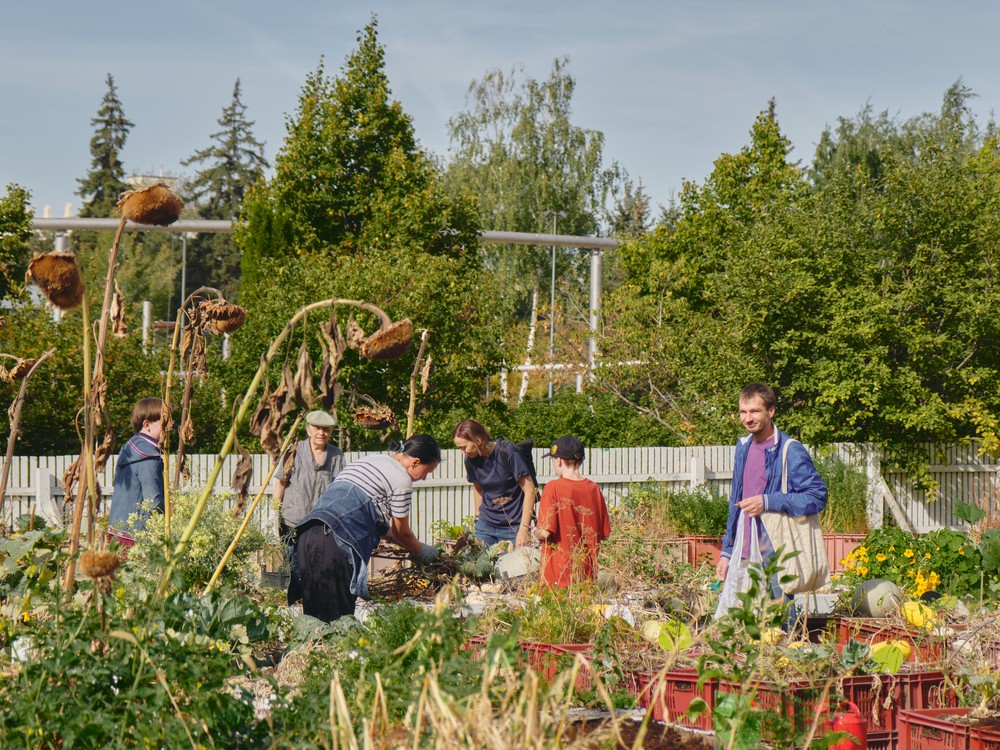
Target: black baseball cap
(567,447)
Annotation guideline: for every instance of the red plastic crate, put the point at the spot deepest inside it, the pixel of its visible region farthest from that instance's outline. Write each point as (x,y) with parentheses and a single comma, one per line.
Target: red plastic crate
(928,729)
(925,647)
(882,740)
(704,549)
(984,738)
(668,695)
(926,690)
(548,658)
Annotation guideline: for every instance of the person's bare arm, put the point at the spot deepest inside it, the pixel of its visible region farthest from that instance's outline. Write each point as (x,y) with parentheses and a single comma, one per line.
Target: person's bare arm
(400,533)
(527,509)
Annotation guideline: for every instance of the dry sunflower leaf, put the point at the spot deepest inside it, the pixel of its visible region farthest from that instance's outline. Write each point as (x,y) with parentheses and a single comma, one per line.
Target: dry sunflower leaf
(118,327)
(103,452)
(355,335)
(241,478)
(284,397)
(187,430)
(70,480)
(302,386)
(425,375)
(262,413)
(288,462)
(20,370)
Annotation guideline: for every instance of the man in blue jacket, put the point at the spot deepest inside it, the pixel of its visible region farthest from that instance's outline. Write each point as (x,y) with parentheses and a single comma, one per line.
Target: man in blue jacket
(756,483)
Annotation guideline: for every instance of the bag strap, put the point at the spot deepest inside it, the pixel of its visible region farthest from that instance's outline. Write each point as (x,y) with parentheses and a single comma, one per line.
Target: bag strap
(784,465)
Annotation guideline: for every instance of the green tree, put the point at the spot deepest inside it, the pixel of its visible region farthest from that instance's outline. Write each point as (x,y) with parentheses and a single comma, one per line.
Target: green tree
(229,166)
(15,236)
(530,169)
(106,179)
(355,210)
(695,313)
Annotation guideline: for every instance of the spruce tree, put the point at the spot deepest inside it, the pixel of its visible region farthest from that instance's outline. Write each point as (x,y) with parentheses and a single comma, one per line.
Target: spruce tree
(233,162)
(106,179)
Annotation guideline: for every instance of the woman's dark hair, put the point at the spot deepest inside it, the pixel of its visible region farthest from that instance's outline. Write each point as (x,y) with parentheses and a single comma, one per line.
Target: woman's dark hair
(422,447)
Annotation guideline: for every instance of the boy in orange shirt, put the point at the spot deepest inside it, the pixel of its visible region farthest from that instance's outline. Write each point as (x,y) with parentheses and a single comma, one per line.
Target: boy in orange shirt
(572,520)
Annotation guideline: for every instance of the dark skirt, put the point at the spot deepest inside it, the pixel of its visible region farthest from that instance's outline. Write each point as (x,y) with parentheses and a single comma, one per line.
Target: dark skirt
(325,574)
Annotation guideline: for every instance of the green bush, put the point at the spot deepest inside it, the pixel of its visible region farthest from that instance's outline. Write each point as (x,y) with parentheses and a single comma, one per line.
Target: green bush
(212,536)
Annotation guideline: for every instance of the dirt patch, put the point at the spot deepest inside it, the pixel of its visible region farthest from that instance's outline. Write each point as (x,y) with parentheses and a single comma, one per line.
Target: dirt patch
(600,734)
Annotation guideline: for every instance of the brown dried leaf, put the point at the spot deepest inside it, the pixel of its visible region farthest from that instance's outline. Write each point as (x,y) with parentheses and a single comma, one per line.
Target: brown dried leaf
(99,389)
(425,375)
(377,417)
(118,327)
(284,397)
(355,335)
(154,204)
(70,480)
(187,430)
(262,414)
(103,452)
(302,384)
(288,462)
(241,478)
(185,469)
(336,345)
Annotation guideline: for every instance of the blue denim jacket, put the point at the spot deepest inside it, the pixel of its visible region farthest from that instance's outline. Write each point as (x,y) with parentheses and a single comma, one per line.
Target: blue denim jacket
(806,489)
(349,514)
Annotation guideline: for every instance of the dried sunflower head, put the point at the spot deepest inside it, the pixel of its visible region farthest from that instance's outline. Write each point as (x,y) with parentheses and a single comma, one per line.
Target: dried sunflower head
(58,276)
(389,343)
(377,417)
(221,317)
(19,370)
(99,563)
(154,204)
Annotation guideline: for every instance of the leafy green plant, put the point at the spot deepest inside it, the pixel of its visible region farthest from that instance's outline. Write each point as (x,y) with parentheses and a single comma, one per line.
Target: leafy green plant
(942,560)
(211,536)
(846,508)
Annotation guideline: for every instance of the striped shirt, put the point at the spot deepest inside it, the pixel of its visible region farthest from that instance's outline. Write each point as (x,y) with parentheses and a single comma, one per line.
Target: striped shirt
(384,480)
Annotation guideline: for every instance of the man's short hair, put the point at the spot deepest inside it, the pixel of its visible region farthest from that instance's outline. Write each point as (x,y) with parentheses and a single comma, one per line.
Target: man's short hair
(762,390)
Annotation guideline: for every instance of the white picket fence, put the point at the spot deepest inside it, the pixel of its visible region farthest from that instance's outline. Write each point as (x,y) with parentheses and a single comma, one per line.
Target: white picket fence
(33,485)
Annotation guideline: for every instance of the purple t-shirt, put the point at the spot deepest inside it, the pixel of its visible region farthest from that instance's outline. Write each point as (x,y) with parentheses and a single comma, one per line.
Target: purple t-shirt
(754,482)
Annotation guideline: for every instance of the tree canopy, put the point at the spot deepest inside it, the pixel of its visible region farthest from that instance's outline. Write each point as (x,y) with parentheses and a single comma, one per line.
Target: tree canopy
(863,296)
(105,180)
(355,210)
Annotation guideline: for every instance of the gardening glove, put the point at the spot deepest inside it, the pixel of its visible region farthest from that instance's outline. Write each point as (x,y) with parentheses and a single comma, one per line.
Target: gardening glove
(427,554)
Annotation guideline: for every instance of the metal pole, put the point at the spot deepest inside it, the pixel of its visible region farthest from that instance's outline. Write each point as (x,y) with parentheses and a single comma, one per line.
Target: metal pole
(552,309)
(596,288)
(147,324)
(184,266)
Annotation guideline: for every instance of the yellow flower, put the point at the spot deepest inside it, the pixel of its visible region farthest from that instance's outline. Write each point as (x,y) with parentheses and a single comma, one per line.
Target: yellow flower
(927,555)
(863,570)
(908,553)
(880,557)
(892,547)
(961,550)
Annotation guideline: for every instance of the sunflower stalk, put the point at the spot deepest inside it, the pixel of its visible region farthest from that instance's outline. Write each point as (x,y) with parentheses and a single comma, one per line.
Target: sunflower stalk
(253,506)
(240,415)
(15,424)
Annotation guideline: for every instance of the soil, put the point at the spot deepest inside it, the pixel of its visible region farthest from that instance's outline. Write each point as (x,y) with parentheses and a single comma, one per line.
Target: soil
(600,734)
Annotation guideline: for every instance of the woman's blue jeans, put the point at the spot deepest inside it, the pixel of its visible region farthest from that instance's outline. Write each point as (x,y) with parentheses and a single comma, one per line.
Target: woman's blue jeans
(489,534)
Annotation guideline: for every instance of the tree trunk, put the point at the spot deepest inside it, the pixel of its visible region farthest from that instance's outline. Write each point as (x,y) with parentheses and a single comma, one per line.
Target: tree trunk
(531,345)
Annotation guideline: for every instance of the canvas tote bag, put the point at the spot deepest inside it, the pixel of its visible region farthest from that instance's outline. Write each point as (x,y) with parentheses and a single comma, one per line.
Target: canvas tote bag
(738,578)
(802,533)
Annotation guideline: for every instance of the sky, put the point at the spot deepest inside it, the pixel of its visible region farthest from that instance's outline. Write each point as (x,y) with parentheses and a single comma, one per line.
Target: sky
(672,84)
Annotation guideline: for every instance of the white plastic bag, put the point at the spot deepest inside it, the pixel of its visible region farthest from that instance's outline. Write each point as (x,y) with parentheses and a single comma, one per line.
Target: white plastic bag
(738,577)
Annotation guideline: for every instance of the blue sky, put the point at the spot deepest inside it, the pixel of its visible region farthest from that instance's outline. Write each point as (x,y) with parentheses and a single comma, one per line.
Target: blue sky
(672,84)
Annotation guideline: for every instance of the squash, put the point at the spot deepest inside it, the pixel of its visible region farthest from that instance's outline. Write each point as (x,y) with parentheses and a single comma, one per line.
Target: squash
(919,615)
